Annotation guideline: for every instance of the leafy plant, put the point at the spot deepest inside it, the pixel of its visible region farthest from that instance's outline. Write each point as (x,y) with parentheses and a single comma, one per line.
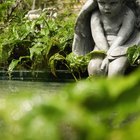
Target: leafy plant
(36,40)
(133,54)
(79,64)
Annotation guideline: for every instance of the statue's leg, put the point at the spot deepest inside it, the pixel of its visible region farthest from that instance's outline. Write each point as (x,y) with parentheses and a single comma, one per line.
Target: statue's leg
(94,67)
(118,66)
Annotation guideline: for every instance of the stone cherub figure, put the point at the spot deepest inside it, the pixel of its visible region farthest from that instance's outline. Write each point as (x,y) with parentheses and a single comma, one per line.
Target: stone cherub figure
(109,26)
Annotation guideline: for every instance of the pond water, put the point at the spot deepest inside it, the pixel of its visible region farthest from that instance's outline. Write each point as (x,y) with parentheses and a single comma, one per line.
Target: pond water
(14,87)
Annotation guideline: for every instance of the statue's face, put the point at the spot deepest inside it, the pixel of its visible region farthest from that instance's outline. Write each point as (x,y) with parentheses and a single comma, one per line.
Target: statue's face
(110,8)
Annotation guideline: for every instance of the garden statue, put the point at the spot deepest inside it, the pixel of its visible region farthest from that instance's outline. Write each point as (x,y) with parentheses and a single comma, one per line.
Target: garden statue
(110,26)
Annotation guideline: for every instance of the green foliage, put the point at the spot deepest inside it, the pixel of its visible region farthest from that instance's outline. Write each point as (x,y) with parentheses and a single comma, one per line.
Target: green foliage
(4,9)
(53,61)
(37,41)
(79,64)
(97,109)
(133,54)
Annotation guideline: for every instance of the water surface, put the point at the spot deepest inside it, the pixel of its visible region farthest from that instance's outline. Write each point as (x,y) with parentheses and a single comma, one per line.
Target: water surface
(12,87)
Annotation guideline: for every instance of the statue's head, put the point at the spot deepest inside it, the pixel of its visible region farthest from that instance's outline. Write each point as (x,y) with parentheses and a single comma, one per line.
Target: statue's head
(110,8)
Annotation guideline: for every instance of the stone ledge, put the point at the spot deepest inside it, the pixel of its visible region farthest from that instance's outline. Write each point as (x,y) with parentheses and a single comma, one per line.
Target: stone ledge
(61,76)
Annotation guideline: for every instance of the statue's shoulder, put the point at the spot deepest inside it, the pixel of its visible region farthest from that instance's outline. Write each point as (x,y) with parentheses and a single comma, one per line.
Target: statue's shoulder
(129,13)
(95,16)
(135,6)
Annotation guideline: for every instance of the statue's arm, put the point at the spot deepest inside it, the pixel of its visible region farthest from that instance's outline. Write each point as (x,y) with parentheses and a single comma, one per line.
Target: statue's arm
(98,32)
(126,29)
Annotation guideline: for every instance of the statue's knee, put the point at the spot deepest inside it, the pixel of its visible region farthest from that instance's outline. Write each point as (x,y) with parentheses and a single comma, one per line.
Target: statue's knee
(117,69)
(94,67)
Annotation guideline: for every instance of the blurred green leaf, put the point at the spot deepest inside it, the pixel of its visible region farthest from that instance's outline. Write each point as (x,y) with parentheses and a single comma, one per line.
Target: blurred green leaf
(133,54)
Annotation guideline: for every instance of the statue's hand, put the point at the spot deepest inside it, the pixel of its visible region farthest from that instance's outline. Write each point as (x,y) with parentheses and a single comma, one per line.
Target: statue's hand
(109,51)
(104,65)
(118,51)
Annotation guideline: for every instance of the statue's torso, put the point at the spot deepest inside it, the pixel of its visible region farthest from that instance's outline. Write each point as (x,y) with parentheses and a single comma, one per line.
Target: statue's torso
(111,27)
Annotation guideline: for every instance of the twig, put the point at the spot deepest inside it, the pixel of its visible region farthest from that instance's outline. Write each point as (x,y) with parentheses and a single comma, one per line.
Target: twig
(33,6)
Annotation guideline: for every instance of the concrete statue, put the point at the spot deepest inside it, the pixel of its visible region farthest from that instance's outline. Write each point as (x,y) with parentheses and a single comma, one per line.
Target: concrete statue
(110,26)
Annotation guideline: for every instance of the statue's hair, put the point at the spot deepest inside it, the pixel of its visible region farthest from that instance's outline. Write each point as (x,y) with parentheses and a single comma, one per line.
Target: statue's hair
(133,4)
